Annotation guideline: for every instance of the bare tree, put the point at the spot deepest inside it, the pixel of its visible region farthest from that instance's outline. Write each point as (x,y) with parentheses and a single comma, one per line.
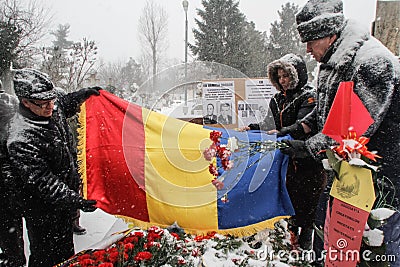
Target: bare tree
(153,26)
(70,64)
(81,63)
(22,26)
(30,21)
(121,78)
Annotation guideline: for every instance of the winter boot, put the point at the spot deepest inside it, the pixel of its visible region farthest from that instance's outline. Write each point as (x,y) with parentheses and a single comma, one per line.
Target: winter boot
(79,230)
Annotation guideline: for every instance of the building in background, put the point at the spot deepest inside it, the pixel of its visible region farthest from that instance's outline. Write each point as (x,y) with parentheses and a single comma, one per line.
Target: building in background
(386,26)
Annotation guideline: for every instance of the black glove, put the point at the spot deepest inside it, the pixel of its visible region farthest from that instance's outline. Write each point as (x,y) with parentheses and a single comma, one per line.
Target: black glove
(295,149)
(295,130)
(87,92)
(87,205)
(254,126)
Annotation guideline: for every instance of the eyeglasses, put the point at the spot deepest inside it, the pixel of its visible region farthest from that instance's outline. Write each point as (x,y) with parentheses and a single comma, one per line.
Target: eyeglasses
(44,104)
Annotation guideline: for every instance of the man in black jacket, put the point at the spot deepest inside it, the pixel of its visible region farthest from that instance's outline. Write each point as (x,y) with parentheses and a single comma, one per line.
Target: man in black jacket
(45,169)
(11,241)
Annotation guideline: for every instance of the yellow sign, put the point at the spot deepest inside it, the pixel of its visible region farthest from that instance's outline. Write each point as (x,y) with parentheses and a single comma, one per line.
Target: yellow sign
(354,186)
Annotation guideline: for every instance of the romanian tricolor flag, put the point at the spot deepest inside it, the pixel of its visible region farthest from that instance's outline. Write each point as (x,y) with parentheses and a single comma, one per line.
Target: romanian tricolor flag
(149,169)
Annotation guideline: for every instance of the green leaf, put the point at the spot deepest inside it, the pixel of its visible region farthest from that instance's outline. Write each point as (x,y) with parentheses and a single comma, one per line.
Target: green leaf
(334,162)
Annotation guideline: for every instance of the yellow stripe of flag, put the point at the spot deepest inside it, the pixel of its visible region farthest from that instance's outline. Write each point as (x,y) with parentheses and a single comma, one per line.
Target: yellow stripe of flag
(177,179)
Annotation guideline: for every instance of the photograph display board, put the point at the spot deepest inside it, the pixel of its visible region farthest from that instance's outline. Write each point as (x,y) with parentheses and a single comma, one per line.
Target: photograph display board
(219,102)
(253,108)
(236,102)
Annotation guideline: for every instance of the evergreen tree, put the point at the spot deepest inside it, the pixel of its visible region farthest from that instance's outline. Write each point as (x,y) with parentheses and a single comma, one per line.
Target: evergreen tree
(284,37)
(9,38)
(257,51)
(69,64)
(55,61)
(61,35)
(221,35)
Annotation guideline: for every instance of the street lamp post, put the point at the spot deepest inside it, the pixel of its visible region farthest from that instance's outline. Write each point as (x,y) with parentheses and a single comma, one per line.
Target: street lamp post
(185,5)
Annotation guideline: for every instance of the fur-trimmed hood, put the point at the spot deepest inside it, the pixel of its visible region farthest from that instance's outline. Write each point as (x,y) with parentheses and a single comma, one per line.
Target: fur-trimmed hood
(294,65)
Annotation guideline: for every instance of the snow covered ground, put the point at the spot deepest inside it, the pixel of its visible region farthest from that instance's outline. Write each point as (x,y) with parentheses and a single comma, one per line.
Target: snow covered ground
(98,225)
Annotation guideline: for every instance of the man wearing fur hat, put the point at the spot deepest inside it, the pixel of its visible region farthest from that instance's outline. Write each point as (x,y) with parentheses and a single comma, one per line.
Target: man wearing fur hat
(347,52)
(44,167)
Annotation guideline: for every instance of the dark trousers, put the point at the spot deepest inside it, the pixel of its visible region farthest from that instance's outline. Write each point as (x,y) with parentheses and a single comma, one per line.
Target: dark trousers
(318,245)
(11,238)
(50,237)
(305,181)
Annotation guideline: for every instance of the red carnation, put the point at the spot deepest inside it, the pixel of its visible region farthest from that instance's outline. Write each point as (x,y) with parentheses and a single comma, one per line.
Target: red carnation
(213,170)
(215,135)
(99,255)
(131,239)
(114,256)
(106,264)
(83,257)
(143,255)
(153,236)
(177,237)
(129,246)
(139,234)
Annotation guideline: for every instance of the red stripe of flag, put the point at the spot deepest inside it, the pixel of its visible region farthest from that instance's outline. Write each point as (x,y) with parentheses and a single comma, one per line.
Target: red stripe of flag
(123,140)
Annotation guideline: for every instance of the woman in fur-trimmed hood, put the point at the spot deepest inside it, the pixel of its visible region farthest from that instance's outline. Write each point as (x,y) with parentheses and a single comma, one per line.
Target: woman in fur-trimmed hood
(294,100)
(294,66)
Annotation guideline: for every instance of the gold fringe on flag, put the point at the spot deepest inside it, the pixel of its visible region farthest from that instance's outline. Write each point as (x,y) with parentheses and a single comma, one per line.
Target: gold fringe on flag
(82,148)
(237,232)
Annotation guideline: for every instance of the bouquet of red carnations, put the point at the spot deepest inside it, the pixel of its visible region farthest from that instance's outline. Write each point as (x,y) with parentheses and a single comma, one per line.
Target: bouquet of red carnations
(154,247)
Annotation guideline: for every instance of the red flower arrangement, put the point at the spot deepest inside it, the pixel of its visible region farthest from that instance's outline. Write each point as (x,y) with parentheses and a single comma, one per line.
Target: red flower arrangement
(222,152)
(154,247)
(354,147)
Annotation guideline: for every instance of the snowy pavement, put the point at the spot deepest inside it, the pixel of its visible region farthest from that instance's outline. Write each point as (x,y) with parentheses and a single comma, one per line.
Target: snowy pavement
(98,225)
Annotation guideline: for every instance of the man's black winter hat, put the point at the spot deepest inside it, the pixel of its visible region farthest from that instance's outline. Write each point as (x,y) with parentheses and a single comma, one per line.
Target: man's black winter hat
(320,18)
(33,84)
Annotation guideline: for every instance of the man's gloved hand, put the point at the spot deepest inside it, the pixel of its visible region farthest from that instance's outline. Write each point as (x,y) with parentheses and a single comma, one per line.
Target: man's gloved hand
(295,149)
(89,91)
(254,126)
(295,130)
(87,205)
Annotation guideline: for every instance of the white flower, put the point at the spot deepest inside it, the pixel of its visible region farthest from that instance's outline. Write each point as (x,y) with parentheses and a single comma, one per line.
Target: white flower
(353,144)
(361,163)
(326,165)
(232,144)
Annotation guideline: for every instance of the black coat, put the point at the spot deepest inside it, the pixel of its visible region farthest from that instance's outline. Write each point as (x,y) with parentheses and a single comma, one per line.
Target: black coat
(8,107)
(43,157)
(357,56)
(290,108)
